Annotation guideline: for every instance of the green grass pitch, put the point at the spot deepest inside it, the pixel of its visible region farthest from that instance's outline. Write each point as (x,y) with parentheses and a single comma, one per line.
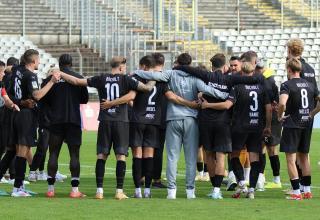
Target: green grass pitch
(270,204)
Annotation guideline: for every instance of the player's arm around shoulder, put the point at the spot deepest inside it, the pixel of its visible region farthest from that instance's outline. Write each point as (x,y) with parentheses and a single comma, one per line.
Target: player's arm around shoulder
(209,90)
(73,80)
(37,93)
(153,75)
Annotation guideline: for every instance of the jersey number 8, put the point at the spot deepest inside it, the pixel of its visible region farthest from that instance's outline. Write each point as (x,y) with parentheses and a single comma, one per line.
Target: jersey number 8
(304,98)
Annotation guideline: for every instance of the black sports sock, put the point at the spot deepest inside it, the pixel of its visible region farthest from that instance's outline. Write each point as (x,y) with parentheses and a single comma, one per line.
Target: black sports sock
(275,165)
(254,173)
(262,159)
(137,171)
(295,184)
(75,182)
(20,166)
(205,168)
(200,166)
(217,179)
(237,169)
(51,180)
(306,180)
(100,169)
(148,167)
(6,162)
(120,173)
(212,181)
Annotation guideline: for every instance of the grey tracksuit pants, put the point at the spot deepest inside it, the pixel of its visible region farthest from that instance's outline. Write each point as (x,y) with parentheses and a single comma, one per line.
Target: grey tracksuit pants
(180,133)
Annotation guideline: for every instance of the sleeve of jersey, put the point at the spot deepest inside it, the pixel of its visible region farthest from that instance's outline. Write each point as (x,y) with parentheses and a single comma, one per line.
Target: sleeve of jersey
(157,76)
(94,81)
(208,90)
(32,84)
(232,95)
(132,83)
(3,92)
(284,89)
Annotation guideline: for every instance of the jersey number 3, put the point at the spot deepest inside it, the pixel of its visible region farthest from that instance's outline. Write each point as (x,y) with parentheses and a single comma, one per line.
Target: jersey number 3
(112,91)
(254,96)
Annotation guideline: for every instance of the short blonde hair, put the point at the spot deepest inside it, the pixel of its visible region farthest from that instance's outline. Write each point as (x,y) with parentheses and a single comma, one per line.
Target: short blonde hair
(247,67)
(117,61)
(294,65)
(295,47)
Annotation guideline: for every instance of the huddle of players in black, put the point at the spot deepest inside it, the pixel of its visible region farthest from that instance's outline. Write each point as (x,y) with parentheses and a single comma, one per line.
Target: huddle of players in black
(222,130)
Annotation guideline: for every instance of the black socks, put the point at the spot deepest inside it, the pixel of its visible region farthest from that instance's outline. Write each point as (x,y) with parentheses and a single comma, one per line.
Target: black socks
(120,173)
(100,170)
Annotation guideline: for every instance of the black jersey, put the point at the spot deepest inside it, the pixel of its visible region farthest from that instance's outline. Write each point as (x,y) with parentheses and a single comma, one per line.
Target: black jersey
(300,102)
(64,100)
(111,87)
(249,107)
(222,82)
(308,73)
(147,107)
(24,83)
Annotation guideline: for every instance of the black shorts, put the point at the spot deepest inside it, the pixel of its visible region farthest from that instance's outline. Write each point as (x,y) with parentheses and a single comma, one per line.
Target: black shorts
(71,133)
(142,135)
(25,126)
(113,134)
(215,137)
(295,140)
(251,140)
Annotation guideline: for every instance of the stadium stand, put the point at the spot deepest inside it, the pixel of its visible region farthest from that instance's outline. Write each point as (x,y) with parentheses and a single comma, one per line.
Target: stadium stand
(13,46)
(271,45)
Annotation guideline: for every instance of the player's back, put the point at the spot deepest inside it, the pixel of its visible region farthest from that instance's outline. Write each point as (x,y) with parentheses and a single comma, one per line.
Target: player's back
(300,102)
(111,87)
(147,107)
(249,108)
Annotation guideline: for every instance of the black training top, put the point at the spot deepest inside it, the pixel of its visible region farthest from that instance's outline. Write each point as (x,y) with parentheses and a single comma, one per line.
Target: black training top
(300,102)
(249,107)
(111,87)
(64,100)
(147,107)
(221,82)
(24,83)
(308,73)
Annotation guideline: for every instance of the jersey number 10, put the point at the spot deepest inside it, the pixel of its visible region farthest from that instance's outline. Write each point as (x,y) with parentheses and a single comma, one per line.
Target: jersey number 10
(112,91)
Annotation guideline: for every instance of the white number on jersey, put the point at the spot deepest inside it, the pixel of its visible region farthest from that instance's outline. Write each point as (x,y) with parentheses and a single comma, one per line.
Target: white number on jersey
(17,88)
(254,96)
(154,91)
(304,98)
(112,91)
